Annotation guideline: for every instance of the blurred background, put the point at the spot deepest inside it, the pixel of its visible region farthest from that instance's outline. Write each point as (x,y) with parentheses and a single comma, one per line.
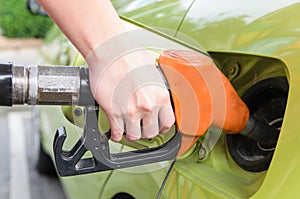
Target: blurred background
(21,37)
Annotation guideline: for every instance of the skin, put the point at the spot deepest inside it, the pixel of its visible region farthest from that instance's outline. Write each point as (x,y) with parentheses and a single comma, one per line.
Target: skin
(88,25)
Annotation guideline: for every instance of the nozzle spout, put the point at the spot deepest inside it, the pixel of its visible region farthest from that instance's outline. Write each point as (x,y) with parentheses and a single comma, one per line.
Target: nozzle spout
(265,135)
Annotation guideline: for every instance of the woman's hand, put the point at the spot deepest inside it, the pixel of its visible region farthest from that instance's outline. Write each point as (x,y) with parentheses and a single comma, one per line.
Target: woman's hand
(132,93)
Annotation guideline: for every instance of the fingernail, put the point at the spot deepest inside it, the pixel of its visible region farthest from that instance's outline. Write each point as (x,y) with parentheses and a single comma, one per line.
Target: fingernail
(116,137)
(131,138)
(164,130)
(150,135)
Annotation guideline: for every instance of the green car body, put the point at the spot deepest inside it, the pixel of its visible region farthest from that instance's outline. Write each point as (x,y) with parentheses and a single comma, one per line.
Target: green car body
(250,41)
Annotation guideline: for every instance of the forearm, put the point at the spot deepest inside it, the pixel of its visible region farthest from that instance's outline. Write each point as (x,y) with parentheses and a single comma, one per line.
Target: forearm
(86,23)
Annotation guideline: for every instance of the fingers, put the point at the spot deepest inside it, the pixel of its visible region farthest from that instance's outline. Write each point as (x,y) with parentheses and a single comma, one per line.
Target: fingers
(166,118)
(117,128)
(148,126)
(133,129)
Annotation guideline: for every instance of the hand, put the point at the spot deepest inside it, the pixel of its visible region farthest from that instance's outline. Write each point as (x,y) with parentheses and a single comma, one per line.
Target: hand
(132,93)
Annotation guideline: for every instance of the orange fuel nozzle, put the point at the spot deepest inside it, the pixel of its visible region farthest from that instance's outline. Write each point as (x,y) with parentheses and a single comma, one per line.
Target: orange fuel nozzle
(202,95)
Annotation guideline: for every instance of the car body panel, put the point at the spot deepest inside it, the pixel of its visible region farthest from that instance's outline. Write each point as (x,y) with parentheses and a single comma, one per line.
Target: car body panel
(279,37)
(166,14)
(275,34)
(262,40)
(217,27)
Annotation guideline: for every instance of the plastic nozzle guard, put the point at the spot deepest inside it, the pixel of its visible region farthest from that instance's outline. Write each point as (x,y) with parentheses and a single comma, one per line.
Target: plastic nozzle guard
(202,95)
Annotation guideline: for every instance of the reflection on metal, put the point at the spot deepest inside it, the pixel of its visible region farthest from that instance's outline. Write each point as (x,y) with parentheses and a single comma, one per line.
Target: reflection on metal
(46,85)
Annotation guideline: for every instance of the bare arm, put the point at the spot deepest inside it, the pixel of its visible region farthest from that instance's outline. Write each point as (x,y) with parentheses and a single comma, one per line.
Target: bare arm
(86,23)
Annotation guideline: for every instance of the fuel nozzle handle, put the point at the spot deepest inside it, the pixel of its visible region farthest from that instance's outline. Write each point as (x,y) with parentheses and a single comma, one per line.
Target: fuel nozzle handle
(44,85)
(206,97)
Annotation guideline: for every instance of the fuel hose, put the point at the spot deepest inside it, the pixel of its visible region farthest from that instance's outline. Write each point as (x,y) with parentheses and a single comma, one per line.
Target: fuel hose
(6,84)
(44,85)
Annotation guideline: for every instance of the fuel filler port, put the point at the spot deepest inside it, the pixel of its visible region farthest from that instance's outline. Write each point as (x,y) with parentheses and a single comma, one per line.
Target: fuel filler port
(266,101)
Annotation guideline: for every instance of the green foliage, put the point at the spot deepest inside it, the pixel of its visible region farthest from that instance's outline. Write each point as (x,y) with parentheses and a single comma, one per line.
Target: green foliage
(17,21)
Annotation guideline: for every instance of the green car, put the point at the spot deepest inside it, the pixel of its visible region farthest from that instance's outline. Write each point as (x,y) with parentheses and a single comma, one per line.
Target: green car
(256,44)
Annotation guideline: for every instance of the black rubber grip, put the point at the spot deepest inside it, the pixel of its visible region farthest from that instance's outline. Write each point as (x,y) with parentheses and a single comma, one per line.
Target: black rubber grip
(6,84)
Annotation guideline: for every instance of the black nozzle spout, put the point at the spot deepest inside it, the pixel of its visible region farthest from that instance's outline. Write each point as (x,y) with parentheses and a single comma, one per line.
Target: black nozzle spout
(6,84)
(264,134)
